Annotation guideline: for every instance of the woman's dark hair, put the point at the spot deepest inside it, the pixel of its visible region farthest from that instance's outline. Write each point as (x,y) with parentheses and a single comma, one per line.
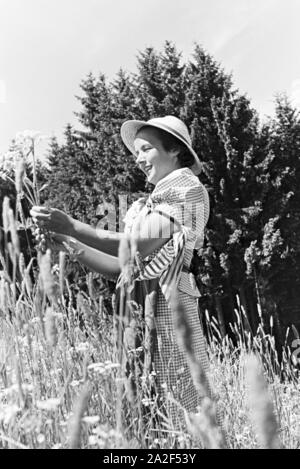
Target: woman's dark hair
(169,142)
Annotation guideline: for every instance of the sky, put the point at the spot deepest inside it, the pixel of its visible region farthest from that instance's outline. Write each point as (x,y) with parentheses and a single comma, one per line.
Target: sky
(47,47)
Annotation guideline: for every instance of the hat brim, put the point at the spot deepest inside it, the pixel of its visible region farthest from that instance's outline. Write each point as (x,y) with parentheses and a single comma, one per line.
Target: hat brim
(130,128)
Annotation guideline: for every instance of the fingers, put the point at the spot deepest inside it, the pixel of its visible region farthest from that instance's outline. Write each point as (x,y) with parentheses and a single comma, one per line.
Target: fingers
(40,209)
(40,216)
(57,247)
(59,238)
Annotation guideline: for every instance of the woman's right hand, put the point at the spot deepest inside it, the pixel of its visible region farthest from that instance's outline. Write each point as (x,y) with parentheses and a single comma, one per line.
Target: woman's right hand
(53,220)
(57,242)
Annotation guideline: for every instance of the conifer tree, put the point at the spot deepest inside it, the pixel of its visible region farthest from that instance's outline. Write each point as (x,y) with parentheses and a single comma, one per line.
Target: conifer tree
(250,172)
(276,255)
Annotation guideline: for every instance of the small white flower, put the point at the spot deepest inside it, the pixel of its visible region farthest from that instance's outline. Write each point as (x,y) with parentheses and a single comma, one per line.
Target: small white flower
(75,383)
(58,315)
(8,413)
(91,419)
(55,372)
(48,404)
(82,347)
(40,438)
(114,433)
(55,269)
(11,389)
(112,366)
(35,320)
(97,367)
(93,440)
(27,134)
(147,402)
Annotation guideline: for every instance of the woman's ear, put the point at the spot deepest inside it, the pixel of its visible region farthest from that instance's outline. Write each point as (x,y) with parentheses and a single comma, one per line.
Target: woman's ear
(174,152)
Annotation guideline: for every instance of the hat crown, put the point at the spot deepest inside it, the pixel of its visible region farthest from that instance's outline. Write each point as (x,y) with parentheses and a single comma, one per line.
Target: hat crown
(172,123)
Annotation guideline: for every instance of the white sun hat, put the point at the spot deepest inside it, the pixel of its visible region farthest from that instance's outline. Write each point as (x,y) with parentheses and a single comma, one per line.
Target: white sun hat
(170,124)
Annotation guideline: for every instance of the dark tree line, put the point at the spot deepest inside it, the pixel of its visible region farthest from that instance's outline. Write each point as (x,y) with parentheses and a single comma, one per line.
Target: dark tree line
(251,171)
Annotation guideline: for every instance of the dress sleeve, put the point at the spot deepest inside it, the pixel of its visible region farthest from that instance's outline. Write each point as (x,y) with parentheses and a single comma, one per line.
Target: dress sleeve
(187,207)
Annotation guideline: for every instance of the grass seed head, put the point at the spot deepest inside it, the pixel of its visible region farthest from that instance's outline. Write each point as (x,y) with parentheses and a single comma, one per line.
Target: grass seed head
(46,275)
(50,328)
(20,173)
(13,232)
(261,406)
(5,215)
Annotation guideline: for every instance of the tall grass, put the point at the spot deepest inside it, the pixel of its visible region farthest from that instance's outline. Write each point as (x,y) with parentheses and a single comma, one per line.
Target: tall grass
(62,384)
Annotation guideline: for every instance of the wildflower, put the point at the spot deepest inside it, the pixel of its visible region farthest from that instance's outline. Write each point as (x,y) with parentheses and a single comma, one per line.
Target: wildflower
(56,446)
(58,315)
(91,419)
(35,320)
(27,134)
(7,413)
(112,366)
(82,347)
(48,404)
(55,372)
(55,269)
(75,383)
(93,440)
(147,402)
(40,438)
(97,367)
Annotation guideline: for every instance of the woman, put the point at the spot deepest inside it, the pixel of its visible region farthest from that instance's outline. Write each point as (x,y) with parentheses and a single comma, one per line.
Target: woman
(167,227)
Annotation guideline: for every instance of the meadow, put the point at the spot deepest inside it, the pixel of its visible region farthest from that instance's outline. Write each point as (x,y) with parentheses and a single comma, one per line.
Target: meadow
(62,386)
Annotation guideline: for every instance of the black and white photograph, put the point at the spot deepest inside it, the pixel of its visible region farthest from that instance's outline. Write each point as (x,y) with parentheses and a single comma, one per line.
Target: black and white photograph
(149,227)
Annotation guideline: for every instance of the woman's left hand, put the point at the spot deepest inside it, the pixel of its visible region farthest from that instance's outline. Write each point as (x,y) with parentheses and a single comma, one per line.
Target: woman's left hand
(58,242)
(66,244)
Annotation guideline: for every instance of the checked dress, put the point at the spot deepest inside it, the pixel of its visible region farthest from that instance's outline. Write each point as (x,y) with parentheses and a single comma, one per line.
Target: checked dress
(182,198)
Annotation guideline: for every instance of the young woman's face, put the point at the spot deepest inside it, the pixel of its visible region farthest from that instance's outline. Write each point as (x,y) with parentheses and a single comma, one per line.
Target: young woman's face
(152,158)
